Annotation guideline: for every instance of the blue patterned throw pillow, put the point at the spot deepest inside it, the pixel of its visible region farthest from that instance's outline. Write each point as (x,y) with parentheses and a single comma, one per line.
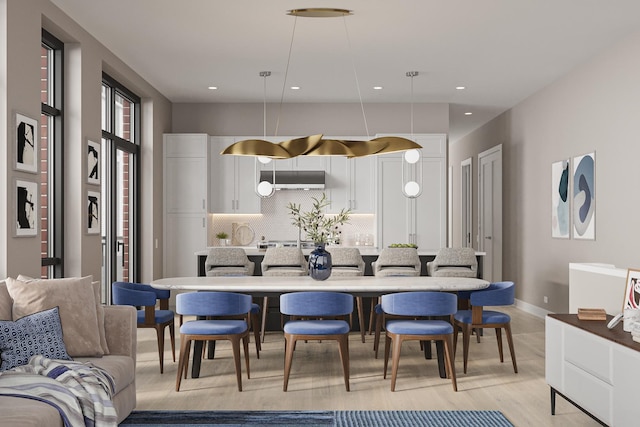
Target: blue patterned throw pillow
(38,333)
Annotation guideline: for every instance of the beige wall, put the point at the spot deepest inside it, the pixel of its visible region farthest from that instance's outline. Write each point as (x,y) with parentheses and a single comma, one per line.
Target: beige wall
(309,119)
(85,60)
(594,108)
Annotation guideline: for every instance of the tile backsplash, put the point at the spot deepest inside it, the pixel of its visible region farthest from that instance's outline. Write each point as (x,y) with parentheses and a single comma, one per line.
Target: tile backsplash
(274,223)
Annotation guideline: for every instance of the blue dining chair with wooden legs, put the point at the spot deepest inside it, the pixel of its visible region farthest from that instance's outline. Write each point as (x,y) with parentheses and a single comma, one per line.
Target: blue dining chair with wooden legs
(145,296)
(213,304)
(419,305)
(317,316)
(497,294)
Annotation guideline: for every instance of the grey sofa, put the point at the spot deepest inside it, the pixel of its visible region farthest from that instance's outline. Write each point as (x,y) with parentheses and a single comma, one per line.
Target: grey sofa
(120,334)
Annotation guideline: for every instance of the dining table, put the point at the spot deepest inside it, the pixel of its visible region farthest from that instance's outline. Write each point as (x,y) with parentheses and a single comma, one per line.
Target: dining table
(366,286)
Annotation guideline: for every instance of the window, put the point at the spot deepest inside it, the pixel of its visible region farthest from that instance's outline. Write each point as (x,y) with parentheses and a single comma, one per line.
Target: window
(120,149)
(51,149)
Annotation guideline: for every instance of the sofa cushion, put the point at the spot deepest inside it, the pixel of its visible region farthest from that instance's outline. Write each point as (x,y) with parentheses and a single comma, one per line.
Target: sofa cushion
(6,303)
(121,368)
(37,333)
(21,412)
(76,301)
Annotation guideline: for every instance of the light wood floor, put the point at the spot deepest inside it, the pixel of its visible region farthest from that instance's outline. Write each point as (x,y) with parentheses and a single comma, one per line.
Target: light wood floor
(316,379)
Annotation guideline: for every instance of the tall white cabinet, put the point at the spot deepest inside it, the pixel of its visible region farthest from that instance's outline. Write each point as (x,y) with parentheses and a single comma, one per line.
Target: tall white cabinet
(186,201)
(237,174)
(350,184)
(420,220)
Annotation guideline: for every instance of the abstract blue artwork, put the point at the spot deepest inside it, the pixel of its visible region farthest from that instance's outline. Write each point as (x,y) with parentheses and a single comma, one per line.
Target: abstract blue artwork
(560,200)
(584,197)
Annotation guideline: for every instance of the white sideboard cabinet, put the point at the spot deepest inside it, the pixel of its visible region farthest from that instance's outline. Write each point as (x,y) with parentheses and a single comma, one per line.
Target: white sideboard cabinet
(421,220)
(186,201)
(593,367)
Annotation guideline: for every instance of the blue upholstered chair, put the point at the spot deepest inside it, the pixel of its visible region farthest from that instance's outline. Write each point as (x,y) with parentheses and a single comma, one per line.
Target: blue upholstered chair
(316,316)
(140,295)
(213,304)
(419,305)
(497,294)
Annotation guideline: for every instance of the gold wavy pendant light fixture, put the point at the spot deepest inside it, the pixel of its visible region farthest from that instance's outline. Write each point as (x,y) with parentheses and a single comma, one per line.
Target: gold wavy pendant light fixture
(315,145)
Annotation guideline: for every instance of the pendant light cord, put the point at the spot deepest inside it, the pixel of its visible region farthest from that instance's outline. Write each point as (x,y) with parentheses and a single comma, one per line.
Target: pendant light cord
(355,73)
(286,73)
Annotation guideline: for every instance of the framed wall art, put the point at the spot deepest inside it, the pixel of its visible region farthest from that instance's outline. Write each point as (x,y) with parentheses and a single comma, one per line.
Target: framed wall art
(93,212)
(26,143)
(560,199)
(584,197)
(632,290)
(26,208)
(93,162)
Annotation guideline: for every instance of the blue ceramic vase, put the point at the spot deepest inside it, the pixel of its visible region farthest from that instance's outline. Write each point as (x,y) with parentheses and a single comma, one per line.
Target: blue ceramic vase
(320,263)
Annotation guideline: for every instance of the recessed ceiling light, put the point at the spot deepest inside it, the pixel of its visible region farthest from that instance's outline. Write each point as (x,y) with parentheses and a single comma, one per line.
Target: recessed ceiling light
(468,113)
(460,87)
(213,87)
(295,87)
(377,87)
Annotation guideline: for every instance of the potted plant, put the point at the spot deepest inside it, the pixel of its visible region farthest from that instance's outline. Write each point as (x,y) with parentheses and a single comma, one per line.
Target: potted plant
(223,238)
(320,229)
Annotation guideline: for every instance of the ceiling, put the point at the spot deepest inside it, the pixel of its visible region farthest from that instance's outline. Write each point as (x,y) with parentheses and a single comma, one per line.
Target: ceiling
(502,51)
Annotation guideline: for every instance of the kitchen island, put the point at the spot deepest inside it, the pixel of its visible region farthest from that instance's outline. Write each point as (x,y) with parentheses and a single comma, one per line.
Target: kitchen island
(369,254)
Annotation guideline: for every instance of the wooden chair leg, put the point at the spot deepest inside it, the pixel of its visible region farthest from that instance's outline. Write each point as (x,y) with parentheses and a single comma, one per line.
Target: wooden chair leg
(343,342)
(387,348)
(507,328)
(397,344)
(499,339)
(290,343)
(160,335)
(450,362)
(235,346)
(172,335)
(466,334)
(253,324)
(183,359)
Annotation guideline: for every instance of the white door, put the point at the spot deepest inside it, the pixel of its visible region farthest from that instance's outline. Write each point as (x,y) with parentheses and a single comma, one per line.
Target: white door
(490,212)
(465,205)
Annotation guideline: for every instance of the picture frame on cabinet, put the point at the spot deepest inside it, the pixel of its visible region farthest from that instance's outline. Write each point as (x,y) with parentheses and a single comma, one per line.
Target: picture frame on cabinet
(26,193)
(26,143)
(93,212)
(561,199)
(93,162)
(632,290)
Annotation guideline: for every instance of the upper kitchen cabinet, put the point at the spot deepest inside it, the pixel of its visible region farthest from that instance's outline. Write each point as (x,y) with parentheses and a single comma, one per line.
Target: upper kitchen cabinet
(233,180)
(186,192)
(420,220)
(350,184)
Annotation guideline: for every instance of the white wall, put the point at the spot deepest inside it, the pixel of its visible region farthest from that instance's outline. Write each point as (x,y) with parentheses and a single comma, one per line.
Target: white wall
(85,60)
(594,108)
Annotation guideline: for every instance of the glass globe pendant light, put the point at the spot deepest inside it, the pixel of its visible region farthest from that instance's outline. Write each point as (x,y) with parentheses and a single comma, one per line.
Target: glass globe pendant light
(264,189)
(411,165)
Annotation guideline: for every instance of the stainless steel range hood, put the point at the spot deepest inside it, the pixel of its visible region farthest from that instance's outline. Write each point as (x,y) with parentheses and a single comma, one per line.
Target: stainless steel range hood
(295,180)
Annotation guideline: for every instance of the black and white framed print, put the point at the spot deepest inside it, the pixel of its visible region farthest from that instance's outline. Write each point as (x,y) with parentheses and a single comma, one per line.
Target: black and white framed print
(93,162)
(26,208)
(26,143)
(93,212)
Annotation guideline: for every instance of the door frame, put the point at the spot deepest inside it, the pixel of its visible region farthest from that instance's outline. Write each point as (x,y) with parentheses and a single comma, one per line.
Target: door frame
(466,202)
(493,155)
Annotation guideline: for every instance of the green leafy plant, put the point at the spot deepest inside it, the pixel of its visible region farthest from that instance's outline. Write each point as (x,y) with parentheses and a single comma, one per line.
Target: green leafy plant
(317,226)
(403,245)
(222,235)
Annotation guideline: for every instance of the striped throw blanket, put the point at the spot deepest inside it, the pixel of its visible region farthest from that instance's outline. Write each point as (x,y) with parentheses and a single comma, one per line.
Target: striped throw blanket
(81,392)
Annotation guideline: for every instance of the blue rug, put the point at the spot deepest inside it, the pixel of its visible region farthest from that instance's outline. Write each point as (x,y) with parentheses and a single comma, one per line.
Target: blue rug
(317,418)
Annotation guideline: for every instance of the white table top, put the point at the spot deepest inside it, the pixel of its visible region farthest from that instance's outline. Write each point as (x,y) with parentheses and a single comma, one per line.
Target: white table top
(364,285)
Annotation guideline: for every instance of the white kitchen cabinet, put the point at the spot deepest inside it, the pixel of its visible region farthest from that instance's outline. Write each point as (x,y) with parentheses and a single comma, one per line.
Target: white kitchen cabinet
(420,220)
(593,367)
(350,184)
(186,193)
(233,188)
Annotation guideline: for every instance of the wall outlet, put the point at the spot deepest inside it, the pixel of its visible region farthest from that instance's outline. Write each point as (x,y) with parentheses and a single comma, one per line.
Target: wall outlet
(545,299)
